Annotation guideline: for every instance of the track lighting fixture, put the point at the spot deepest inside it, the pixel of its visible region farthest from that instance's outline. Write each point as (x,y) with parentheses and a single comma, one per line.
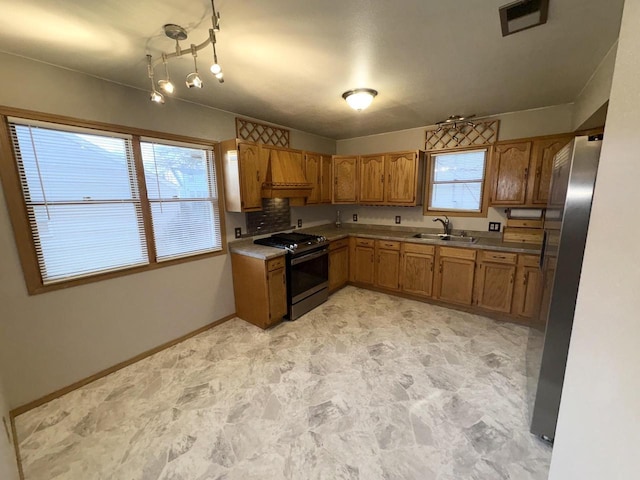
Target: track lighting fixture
(193,80)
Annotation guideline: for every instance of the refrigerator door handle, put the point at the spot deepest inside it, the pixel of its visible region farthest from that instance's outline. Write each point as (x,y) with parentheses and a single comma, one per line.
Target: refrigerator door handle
(544,247)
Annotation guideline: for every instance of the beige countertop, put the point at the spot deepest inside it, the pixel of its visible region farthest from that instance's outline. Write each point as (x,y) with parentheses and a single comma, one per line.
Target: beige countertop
(486,240)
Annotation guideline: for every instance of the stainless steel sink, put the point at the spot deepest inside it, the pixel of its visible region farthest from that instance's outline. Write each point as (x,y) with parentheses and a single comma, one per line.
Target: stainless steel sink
(446,238)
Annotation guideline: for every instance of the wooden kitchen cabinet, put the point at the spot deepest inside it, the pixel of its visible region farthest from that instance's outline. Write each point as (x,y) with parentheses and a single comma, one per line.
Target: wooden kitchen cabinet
(527,290)
(313,172)
(416,273)
(511,172)
(387,267)
(338,264)
(542,164)
(372,185)
(455,275)
(260,289)
(361,258)
(404,178)
(326,179)
(495,277)
(345,179)
(244,170)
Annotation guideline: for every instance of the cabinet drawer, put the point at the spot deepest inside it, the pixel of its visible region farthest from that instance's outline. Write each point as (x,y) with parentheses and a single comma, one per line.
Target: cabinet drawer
(417,248)
(499,257)
(458,253)
(529,260)
(365,242)
(388,244)
(336,244)
(275,263)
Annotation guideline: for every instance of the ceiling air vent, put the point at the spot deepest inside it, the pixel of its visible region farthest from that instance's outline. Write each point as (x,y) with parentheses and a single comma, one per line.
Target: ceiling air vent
(523,14)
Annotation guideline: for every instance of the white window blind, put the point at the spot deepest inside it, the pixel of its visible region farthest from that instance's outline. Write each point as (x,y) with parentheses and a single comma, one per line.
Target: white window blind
(456,181)
(81,195)
(181,187)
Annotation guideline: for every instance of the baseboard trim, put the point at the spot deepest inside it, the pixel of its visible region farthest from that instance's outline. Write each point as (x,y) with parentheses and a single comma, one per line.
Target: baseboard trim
(103,373)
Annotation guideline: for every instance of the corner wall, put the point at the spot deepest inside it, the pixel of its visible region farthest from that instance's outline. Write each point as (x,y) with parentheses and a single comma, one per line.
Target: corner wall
(57,338)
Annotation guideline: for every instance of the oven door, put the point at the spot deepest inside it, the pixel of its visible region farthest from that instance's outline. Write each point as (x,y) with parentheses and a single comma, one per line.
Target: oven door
(308,274)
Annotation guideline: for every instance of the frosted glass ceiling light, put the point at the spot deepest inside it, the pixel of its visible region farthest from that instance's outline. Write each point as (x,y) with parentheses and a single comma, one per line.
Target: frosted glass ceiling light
(193,80)
(360,98)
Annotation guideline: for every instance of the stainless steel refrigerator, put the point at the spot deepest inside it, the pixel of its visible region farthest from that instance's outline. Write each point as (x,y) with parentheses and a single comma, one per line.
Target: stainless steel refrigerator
(566,222)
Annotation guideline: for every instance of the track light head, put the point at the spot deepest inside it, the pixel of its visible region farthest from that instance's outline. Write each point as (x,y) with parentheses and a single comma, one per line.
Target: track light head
(156,97)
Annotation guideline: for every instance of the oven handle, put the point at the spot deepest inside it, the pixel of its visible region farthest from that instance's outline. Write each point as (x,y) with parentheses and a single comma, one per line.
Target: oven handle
(309,256)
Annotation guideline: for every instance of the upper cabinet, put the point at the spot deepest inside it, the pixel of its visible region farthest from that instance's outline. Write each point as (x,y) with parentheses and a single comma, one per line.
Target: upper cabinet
(326,179)
(313,172)
(381,179)
(245,169)
(345,179)
(522,171)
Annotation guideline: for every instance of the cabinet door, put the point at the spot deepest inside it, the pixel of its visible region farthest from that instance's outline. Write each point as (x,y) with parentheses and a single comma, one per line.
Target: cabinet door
(277,284)
(363,265)
(345,179)
(401,178)
(338,268)
(325,179)
(388,269)
(312,167)
(417,274)
(455,280)
(542,163)
(526,296)
(252,175)
(372,179)
(511,171)
(495,286)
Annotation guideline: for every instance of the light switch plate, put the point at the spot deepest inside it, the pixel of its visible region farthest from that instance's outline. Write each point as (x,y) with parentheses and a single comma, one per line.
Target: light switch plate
(494,226)
(299,223)
(398,219)
(238,232)
(355,217)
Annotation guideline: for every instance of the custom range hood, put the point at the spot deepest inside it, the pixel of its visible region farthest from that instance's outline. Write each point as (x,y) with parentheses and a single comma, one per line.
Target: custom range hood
(285,176)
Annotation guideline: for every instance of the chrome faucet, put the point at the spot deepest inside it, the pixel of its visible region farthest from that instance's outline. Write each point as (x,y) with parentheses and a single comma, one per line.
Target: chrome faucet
(446,224)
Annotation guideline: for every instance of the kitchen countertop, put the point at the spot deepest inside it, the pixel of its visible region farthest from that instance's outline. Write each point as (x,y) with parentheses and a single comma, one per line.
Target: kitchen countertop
(486,241)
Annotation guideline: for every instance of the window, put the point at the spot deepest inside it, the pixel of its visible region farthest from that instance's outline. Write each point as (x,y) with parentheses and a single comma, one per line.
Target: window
(182,192)
(457,181)
(85,212)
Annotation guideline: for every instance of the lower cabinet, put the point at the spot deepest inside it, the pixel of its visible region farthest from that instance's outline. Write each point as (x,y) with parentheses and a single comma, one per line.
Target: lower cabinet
(338,264)
(362,261)
(260,289)
(416,272)
(455,275)
(495,279)
(387,267)
(526,294)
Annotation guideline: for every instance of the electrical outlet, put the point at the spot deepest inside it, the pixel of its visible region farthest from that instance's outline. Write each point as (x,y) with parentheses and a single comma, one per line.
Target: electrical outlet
(299,223)
(398,219)
(355,217)
(238,232)
(494,226)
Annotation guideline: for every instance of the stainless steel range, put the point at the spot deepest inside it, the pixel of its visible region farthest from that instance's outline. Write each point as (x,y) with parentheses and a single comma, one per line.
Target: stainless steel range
(307,262)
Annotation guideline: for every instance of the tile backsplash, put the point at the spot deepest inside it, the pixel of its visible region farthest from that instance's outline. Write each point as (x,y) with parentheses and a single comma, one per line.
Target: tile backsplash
(274,217)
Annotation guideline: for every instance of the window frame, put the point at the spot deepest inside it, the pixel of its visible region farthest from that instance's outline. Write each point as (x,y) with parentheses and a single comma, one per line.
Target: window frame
(18,214)
(486,182)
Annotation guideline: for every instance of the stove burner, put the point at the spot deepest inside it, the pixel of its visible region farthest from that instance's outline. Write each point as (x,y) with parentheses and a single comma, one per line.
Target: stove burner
(292,241)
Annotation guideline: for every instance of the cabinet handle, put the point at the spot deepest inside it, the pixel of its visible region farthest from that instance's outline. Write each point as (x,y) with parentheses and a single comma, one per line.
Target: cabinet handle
(512,275)
(389,178)
(257,176)
(526,173)
(440,267)
(382,178)
(500,257)
(284,279)
(538,173)
(526,279)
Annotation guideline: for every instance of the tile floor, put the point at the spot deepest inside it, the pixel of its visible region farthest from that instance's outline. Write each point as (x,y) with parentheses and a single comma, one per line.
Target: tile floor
(367,386)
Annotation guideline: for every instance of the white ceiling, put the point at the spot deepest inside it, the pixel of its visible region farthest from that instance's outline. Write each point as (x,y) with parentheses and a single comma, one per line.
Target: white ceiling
(289,61)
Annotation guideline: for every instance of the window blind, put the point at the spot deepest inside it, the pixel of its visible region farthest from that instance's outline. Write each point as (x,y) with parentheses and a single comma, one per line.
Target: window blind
(457,180)
(82,199)
(182,192)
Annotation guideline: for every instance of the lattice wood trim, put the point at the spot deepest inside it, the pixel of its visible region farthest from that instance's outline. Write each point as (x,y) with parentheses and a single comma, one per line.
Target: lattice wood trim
(484,133)
(261,133)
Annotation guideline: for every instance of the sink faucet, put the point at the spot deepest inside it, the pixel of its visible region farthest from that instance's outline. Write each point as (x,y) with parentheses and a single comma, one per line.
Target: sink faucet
(446,224)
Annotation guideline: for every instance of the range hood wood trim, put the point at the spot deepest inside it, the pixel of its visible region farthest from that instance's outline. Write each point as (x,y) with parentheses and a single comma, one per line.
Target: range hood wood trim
(285,175)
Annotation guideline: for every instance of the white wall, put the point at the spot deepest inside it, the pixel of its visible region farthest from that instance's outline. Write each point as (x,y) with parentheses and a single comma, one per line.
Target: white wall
(8,466)
(57,338)
(596,91)
(598,433)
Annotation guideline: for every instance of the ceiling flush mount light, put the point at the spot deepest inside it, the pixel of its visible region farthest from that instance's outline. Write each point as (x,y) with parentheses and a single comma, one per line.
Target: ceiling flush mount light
(360,98)
(193,80)
(523,14)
